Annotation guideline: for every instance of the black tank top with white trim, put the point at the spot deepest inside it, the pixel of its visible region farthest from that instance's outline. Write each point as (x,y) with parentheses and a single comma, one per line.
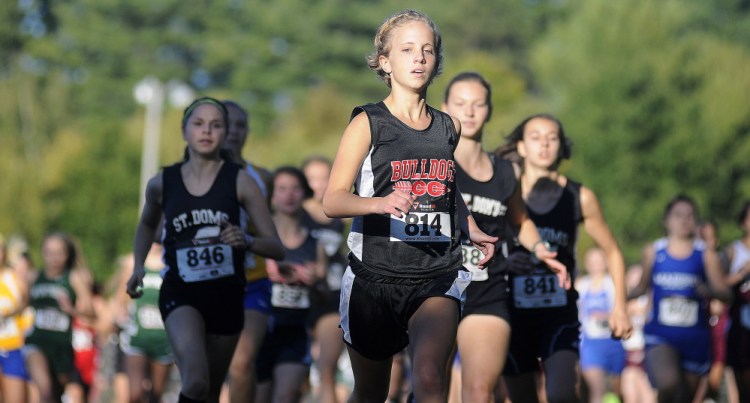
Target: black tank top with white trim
(426,241)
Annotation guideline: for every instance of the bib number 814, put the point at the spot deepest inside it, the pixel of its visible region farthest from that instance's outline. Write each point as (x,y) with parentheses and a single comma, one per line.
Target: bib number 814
(421,227)
(416,224)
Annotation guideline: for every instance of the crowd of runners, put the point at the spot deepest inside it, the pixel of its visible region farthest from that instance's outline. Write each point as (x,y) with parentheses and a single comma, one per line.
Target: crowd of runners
(414,266)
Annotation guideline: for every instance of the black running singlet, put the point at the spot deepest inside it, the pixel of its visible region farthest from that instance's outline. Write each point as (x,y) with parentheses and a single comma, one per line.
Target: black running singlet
(559,227)
(424,242)
(488,203)
(193,251)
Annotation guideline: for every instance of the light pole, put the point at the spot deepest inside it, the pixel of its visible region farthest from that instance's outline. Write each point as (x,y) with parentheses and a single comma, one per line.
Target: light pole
(150,92)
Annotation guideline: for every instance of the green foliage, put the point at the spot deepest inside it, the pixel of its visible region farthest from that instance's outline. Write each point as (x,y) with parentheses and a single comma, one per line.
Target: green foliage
(101,209)
(655,106)
(654,94)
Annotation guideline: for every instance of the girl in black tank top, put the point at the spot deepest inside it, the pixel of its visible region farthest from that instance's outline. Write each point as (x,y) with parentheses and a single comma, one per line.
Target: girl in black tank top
(404,273)
(201,297)
(284,359)
(543,317)
(492,194)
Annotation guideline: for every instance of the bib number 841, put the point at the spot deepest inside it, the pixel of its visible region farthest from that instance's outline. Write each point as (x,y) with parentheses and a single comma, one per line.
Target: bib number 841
(539,285)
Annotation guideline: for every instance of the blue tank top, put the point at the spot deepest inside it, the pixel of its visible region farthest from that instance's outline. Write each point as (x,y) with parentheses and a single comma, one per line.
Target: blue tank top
(594,307)
(675,302)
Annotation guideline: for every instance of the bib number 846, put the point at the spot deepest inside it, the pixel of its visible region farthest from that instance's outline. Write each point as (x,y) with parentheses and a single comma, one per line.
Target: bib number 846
(207,256)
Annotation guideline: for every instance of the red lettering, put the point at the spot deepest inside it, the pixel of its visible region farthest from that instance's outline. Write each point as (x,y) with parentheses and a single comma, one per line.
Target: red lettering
(419,188)
(421,174)
(435,188)
(442,170)
(397,171)
(433,170)
(413,164)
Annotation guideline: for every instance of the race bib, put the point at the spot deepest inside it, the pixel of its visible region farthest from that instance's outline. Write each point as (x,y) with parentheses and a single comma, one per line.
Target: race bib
(149,317)
(421,227)
(745,316)
(9,328)
(596,327)
(201,263)
(290,296)
(678,311)
(538,291)
(334,276)
(82,340)
(471,257)
(51,319)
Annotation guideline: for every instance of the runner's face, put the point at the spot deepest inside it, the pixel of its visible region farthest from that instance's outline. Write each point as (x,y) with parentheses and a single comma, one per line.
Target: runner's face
(317,176)
(468,102)
(237,130)
(54,254)
(596,262)
(680,221)
(288,194)
(541,143)
(205,130)
(411,60)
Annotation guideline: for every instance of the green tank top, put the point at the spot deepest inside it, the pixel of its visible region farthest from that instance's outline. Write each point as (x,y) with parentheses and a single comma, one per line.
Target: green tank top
(50,322)
(145,318)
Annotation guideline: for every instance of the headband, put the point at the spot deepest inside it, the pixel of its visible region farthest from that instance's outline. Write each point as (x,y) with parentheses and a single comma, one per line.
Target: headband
(202,101)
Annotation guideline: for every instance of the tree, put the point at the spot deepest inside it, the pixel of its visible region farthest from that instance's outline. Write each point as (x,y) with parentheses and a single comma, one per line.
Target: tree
(655,107)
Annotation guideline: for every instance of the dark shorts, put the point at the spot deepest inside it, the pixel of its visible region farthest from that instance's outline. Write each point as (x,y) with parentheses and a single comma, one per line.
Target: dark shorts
(488,297)
(59,355)
(719,330)
(220,303)
(327,303)
(282,345)
(258,296)
(738,346)
(538,336)
(375,310)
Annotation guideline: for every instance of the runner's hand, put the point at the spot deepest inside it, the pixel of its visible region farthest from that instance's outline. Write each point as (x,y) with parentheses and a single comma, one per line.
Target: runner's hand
(135,283)
(232,235)
(396,203)
(485,244)
(548,257)
(619,324)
